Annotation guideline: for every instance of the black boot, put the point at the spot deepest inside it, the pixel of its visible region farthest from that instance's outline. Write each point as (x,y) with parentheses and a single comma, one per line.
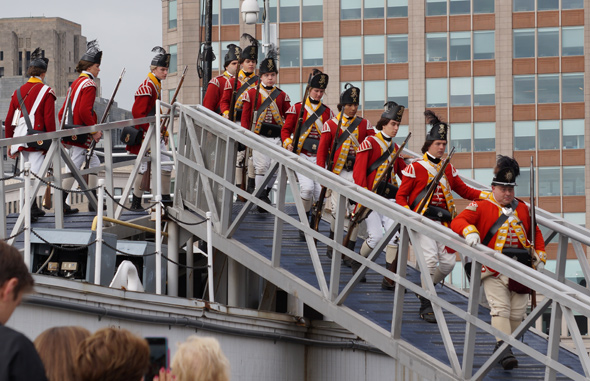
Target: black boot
(426,311)
(68,209)
(136,203)
(251,185)
(508,361)
(35,210)
(90,207)
(386,283)
(347,261)
(301,232)
(329,248)
(264,197)
(355,266)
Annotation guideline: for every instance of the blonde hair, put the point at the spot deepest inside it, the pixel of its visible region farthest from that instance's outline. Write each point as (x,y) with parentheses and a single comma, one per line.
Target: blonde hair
(57,348)
(200,359)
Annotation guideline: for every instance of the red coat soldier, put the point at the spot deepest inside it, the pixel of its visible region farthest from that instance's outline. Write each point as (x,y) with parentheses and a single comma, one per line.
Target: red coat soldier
(217,85)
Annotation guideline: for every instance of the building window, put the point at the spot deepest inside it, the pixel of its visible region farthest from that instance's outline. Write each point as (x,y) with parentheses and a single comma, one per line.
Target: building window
(576,218)
(1,55)
(397,91)
(313,51)
(460,91)
(572,41)
(374,49)
(173,50)
(436,47)
(436,92)
(524,89)
(573,181)
(171,95)
(402,134)
(524,182)
(523,5)
(548,42)
(313,10)
(548,88)
(172,14)
(289,11)
(290,53)
(572,4)
(436,7)
(484,45)
(548,5)
(1,72)
(460,49)
(548,134)
(397,48)
(572,87)
(549,184)
(484,137)
(350,9)
(460,7)
(272,11)
(374,9)
(215,49)
(484,91)
(230,12)
(524,136)
(397,8)
(373,95)
(214,14)
(293,90)
(483,6)
(524,43)
(350,50)
(573,134)
(461,137)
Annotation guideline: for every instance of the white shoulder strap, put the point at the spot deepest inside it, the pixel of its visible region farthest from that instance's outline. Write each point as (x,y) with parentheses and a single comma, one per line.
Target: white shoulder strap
(78,92)
(38,100)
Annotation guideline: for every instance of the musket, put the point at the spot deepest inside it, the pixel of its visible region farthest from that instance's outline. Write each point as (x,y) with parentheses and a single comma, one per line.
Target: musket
(532,212)
(362,211)
(434,184)
(232,102)
(90,150)
(299,124)
(145,180)
(319,204)
(252,125)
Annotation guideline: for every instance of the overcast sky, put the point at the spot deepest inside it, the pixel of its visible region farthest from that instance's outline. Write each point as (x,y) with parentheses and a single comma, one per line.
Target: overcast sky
(126,30)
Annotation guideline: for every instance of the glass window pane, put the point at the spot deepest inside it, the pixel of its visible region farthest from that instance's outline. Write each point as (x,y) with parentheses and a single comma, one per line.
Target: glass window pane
(436,47)
(572,87)
(289,10)
(548,88)
(289,53)
(524,136)
(374,94)
(573,133)
(214,16)
(313,10)
(374,9)
(524,182)
(436,92)
(484,137)
(272,11)
(397,91)
(402,134)
(572,41)
(548,42)
(524,89)
(460,7)
(173,50)
(397,8)
(374,49)
(397,48)
(524,43)
(230,12)
(215,48)
(461,137)
(523,5)
(483,6)
(350,9)
(293,90)
(436,7)
(575,218)
(460,92)
(549,184)
(313,51)
(350,50)
(484,91)
(484,45)
(572,4)
(547,5)
(172,14)
(460,49)
(483,175)
(548,134)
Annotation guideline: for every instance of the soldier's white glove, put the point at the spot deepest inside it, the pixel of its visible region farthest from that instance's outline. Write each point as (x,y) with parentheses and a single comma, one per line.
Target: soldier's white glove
(472,239)
(538,262)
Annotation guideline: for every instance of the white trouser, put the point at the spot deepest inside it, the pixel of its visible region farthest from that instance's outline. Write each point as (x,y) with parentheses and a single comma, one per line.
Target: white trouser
(78,156)
(308,188)
(377,225)
(165,167)
(347,175)
(35,158)
(503,302)
(262,163)
(435,253)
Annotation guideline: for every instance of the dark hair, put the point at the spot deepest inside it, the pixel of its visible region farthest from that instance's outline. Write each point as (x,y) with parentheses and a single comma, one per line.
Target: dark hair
(13,266)
(382,122)
(242,59)
(83,65)
(427,145)
(34,71)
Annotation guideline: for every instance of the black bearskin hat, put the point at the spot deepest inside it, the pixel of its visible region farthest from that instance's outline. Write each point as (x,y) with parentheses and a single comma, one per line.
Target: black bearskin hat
(37,59)
(393,111)
(250,52)
(269,64)
(506,171)
(319,80)
(93,53)
(233,54)
(439,130)
(350,95)
(161,58)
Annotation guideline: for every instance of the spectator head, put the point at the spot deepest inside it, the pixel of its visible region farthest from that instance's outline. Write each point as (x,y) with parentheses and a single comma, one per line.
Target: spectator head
(15,280)
(200,359)
(112,354)
(57,348)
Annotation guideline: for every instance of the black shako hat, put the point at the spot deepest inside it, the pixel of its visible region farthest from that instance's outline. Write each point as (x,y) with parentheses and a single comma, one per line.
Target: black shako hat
(233,54)
(161,58)
(506,171)
(350,95)
(269,64)
(37,59)
(319,80)
(439,130)
(93,53)
(250,52)
(393,111)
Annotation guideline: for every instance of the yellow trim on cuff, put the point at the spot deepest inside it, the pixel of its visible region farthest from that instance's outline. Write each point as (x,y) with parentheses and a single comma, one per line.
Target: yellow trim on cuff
(287,142)
(469,229)
(542,255)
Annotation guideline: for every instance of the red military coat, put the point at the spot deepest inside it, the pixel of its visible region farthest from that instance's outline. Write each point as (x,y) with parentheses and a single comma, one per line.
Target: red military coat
(145,105)
(288,131)
(363,130)
(224,104)
(214,92)
(369,151)
(83,106)
(283,103)
(45,113)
